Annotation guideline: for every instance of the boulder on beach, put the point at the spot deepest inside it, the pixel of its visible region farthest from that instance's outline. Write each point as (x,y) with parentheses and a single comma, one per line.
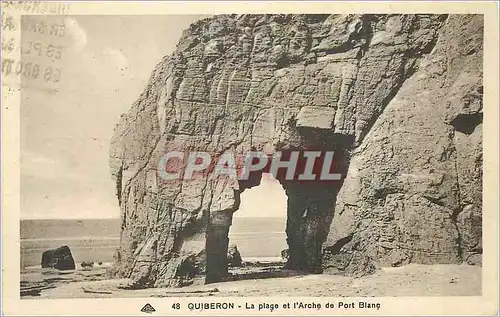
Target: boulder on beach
(59,258)
(285,254)
(234,256)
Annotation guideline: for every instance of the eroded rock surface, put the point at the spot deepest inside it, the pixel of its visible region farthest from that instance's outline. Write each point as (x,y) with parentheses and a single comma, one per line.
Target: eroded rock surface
(394,94)
(413,192)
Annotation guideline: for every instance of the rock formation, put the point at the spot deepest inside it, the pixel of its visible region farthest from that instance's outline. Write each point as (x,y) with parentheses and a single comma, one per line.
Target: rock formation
(234,256)
(285,254)
(397,97)
(59,258)
(87,264)
(413,192)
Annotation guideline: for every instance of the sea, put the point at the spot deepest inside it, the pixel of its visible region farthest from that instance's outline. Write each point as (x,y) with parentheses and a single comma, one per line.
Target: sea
(257,239)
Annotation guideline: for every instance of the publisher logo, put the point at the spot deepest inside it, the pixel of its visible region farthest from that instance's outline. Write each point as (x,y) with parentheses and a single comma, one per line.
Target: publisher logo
(148,309)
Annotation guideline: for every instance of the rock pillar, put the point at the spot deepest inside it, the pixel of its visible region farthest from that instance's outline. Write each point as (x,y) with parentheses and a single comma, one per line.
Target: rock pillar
(310,209)
(217,245)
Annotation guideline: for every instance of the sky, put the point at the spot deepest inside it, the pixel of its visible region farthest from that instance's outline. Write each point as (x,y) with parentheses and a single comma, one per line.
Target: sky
(67,124)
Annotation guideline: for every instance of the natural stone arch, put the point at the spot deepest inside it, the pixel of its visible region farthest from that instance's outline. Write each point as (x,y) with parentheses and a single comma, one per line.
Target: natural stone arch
(283,82)
(309,213)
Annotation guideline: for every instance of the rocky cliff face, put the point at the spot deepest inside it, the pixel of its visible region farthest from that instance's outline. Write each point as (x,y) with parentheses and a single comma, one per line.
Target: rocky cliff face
(397,97)
(413,192)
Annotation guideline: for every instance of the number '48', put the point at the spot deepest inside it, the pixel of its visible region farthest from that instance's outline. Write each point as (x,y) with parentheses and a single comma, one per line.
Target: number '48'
(176,306)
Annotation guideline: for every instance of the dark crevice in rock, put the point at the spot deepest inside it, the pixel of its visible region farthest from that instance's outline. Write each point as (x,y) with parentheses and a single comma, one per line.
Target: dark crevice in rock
(459,209)
(467,123)
(454,221)
(366,31)
(434,200)
(477,249)
(282,62)
(316,18)
(335,249)
(119,176)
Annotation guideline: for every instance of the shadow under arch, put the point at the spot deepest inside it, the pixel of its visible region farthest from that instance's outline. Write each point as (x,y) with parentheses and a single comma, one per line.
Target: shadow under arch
(310,206)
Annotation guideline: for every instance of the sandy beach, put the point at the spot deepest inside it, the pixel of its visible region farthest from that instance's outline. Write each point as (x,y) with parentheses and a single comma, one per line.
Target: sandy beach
(265,280)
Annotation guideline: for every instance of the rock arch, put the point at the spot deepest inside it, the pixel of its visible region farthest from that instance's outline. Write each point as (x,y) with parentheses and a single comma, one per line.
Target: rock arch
(278,83)
(309,213)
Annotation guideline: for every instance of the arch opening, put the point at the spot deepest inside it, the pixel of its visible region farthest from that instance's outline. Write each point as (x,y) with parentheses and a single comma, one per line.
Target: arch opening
(309,203)
(258,226)
(309,212)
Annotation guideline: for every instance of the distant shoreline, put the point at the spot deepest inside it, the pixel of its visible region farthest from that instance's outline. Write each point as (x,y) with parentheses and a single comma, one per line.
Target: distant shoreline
(98,239)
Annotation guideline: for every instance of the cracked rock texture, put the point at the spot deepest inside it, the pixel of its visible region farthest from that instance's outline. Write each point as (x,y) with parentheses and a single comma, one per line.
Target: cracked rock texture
(413,192)
(397,97)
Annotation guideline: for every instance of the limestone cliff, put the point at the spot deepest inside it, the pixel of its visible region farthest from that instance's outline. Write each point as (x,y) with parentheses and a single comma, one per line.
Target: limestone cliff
(397,97)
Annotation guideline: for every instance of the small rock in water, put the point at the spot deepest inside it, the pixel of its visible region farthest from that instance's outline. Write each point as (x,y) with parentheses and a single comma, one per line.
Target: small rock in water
(87,264)
(59,258)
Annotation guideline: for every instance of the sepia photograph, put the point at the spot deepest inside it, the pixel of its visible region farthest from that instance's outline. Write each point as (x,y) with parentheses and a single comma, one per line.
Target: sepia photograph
(247,155)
